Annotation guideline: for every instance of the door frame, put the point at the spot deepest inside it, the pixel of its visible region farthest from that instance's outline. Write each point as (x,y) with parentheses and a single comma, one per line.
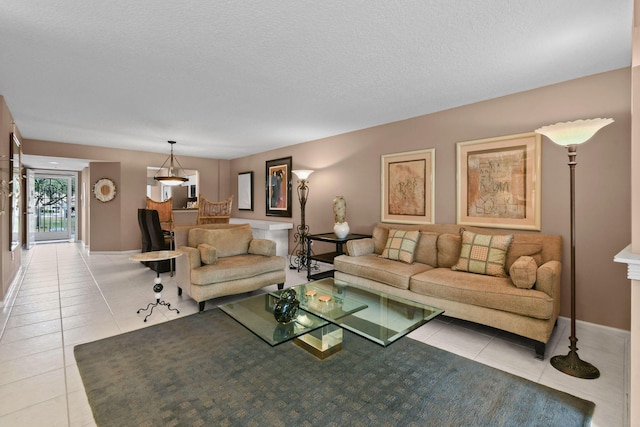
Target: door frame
(72,220)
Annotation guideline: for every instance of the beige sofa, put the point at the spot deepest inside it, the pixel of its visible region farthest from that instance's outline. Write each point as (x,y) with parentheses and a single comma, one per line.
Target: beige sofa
(533,259)
(224,259)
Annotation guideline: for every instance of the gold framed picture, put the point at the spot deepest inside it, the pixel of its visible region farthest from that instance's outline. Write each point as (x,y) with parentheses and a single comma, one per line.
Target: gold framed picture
(408,183)
(499,181)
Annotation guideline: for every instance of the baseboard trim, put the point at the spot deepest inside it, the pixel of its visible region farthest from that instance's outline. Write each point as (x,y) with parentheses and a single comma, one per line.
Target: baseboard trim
(623,333)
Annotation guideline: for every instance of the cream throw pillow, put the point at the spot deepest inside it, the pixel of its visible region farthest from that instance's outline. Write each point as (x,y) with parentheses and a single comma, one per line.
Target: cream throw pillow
(523,272)
(401,245)
(208,254)
(483,253)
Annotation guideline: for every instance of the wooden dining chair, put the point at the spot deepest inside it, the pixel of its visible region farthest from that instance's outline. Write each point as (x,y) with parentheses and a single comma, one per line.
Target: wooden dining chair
(214,212)
(165,212)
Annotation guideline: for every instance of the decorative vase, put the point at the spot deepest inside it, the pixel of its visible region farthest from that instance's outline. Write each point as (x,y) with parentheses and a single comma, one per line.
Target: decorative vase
(286,308)
(341,229)
(339,209)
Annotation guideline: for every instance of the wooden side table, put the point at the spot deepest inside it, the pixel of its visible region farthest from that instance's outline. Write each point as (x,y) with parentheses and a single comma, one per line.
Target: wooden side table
(157,286)
(329,256)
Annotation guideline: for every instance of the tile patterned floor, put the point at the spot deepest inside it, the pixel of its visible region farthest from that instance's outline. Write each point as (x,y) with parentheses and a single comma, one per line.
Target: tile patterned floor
(66,297)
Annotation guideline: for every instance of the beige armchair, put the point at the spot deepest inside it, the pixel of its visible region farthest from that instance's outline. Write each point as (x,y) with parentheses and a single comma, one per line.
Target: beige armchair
(225,259)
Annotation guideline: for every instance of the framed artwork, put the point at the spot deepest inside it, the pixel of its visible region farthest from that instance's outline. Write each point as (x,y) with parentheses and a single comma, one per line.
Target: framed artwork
(245,191)
(14,195)
(498,182)
(278,187)
(105,190)
(408,187)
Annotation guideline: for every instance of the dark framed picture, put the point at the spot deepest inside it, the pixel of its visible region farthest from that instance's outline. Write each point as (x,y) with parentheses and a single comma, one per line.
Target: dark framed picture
(278,187)
(245,191)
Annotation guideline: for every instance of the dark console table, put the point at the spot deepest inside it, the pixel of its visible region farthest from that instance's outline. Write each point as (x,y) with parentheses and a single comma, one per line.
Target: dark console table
(329,256)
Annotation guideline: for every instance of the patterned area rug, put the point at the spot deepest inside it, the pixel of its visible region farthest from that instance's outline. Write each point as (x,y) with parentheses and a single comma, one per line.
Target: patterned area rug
(206,369)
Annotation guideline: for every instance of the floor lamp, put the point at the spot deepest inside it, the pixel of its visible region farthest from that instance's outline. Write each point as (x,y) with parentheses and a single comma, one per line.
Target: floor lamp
(570,135)
(298,259)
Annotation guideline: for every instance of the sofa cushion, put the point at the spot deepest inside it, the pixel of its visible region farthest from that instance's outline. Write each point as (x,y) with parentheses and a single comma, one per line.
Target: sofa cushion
(523,272)
(208,254)
(483,253)
(401,245)
(448,249)
(379,236)
(518,249)
(236,267)
(484,291)
(359,247)
(426,250)
(373,267)
(228,242)
(264,247)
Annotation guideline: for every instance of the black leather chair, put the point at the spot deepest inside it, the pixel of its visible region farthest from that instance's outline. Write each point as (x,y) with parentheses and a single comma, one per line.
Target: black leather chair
(144,232)
(159,241)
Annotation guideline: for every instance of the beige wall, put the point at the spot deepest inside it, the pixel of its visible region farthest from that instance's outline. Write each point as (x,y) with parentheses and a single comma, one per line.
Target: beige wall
(349,165)
(128,169)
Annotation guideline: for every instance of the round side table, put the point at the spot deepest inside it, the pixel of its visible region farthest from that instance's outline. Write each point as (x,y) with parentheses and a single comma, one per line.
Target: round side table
(157,286)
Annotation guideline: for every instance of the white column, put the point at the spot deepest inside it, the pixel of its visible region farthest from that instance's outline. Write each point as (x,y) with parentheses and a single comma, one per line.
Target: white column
(632,260)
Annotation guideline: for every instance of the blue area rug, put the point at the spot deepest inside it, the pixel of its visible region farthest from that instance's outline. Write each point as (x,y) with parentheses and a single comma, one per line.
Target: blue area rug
(206,369)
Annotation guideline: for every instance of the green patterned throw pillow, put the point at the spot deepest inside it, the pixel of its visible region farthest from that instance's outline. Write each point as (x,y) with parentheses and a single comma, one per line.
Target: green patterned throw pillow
(401,245)
(483,253)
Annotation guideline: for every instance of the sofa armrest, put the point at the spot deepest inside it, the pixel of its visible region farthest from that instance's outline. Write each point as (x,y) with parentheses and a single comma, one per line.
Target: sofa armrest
(192,254)
(263,247)
(548,278)
(360,247)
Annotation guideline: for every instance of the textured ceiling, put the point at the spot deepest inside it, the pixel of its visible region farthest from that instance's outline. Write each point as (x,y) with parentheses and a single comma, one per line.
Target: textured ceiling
(231,78)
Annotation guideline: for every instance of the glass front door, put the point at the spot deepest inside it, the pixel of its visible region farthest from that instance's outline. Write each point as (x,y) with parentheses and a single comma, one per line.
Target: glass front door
(54,208)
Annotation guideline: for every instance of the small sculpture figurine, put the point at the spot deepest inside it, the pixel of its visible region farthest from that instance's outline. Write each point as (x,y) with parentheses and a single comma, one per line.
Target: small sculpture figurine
(286,308)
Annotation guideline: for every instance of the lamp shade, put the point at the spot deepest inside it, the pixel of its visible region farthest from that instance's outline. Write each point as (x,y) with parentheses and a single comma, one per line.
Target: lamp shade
(171,180)
(573,133)
(303,173)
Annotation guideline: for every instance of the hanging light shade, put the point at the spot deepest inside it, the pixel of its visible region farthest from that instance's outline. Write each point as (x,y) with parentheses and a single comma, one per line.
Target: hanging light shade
(174,174)
(573,133)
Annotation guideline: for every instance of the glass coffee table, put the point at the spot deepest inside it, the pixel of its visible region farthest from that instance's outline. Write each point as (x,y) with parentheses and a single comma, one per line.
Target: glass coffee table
(327,307)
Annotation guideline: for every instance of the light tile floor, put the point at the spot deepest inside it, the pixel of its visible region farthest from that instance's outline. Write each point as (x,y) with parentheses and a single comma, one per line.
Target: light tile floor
(65,296)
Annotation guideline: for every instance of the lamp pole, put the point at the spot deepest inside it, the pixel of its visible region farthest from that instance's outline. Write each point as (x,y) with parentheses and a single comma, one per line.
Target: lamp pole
(571,363)
(298,258)
(570,135)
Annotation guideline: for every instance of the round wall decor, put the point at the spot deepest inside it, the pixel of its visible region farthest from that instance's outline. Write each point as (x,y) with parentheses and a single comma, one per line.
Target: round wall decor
(104,190)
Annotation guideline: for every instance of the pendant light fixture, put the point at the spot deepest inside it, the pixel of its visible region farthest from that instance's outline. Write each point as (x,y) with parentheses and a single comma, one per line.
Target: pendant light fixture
(174,174)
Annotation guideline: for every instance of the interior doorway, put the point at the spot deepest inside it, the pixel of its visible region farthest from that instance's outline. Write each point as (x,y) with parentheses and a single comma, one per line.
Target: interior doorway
(51,209)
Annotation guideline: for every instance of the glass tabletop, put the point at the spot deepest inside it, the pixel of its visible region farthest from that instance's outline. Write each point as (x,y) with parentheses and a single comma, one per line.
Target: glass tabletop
(256,314)
(325,300)
(377,316)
